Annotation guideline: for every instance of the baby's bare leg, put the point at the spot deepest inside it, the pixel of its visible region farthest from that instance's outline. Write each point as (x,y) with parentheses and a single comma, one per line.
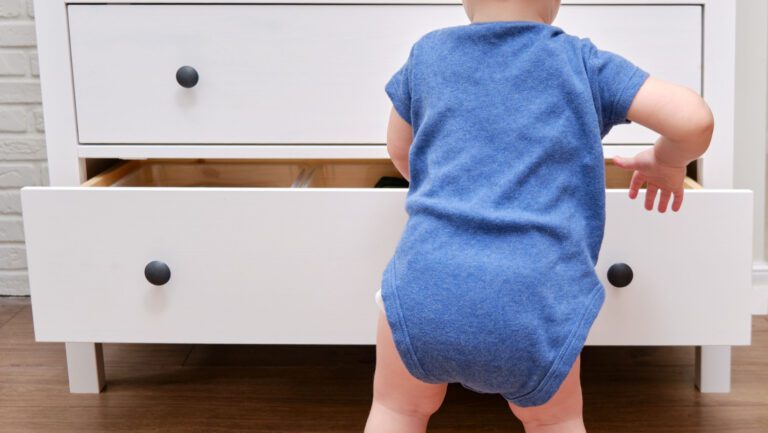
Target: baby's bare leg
(401,403)
(562,413)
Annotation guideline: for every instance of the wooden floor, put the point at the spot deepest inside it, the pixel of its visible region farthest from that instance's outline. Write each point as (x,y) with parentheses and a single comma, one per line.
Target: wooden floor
(202,388)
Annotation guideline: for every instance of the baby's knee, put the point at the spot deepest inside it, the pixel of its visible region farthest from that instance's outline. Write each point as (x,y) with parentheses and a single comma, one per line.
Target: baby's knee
(547,416)
(421,405)
(561,415)
(565,406)
(564,412)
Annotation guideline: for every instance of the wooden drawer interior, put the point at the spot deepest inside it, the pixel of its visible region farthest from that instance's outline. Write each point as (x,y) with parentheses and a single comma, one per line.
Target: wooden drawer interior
(280,174)
(351,174)
(202,173)
(618,178)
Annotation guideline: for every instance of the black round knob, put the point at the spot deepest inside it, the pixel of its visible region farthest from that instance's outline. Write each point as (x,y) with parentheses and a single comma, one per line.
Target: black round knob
(620,274)
(157,273)
(187,76)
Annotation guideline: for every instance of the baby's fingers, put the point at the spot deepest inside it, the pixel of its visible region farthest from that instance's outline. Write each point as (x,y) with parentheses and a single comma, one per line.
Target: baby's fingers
(664,199)
(635,184)
(650,196)
(678,200)
(625,163)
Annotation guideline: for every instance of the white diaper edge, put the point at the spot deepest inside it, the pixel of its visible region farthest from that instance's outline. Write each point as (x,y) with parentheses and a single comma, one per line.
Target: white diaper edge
(379,300)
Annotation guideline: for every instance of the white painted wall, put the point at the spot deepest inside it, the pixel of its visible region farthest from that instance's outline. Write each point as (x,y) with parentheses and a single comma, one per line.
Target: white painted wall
(751,137)
(22,143)
(751,112)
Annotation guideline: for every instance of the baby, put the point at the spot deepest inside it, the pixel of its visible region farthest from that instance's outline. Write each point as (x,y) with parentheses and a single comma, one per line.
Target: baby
(498,126)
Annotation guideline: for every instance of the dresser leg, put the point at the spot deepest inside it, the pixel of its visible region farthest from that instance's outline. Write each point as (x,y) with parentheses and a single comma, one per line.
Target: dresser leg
(713,368)
(85,365)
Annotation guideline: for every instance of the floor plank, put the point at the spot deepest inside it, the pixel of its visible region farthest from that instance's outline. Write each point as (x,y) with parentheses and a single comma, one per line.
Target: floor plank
(9,306)
(275,388)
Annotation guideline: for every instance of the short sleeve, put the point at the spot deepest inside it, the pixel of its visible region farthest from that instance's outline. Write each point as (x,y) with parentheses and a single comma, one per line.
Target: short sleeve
(398,89)
(616,81)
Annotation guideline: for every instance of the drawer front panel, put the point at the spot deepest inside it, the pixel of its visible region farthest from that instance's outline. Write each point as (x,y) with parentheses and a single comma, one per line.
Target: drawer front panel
(303,73)
(247,265)
(267,73)
(301,266)
(692,271)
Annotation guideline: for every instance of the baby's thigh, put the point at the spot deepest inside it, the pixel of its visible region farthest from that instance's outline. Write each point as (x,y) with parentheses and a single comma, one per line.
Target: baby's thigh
(565,405)
(394,386)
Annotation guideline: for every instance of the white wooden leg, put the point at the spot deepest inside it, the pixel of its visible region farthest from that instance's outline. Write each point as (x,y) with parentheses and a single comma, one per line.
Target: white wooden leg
(85,365)
(713,368)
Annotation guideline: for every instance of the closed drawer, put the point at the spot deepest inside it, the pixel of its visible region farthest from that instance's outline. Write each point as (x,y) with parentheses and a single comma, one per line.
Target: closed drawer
(303,73)
(293,251)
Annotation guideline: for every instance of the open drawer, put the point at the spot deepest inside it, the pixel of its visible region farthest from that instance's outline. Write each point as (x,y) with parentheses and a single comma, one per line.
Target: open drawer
(272,261)
(243,173)
(250,174)
(293,252)
(688,268)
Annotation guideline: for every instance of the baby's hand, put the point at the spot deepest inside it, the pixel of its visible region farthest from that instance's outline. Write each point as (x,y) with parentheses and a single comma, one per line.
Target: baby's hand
(659,176)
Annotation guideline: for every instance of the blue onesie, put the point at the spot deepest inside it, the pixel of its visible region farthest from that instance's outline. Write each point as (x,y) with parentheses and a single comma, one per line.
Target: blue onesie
(492,283)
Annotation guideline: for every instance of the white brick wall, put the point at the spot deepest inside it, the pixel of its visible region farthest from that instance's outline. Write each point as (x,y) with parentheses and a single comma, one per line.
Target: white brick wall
(22,142)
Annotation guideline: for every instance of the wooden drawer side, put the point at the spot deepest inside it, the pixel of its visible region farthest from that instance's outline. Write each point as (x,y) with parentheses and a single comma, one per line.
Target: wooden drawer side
(203,173)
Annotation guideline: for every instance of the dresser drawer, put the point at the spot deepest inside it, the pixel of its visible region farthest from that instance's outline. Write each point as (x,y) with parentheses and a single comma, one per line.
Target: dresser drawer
(293,251)
(267,73)
(290,74)
(254,257)
(691,271)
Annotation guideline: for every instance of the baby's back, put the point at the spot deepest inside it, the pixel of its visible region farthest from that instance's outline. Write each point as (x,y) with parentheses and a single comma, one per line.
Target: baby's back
(494,273)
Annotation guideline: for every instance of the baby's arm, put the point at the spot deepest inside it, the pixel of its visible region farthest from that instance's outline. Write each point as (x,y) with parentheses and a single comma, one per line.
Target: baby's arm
(685,124)
(399,138)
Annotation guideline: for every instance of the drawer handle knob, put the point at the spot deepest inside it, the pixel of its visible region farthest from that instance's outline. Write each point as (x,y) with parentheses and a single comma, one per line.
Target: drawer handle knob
(157,273)
(620,274)
(187,76)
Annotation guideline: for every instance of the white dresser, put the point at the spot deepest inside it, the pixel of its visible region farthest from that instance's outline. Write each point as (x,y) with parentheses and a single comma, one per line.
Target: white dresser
(213,168)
